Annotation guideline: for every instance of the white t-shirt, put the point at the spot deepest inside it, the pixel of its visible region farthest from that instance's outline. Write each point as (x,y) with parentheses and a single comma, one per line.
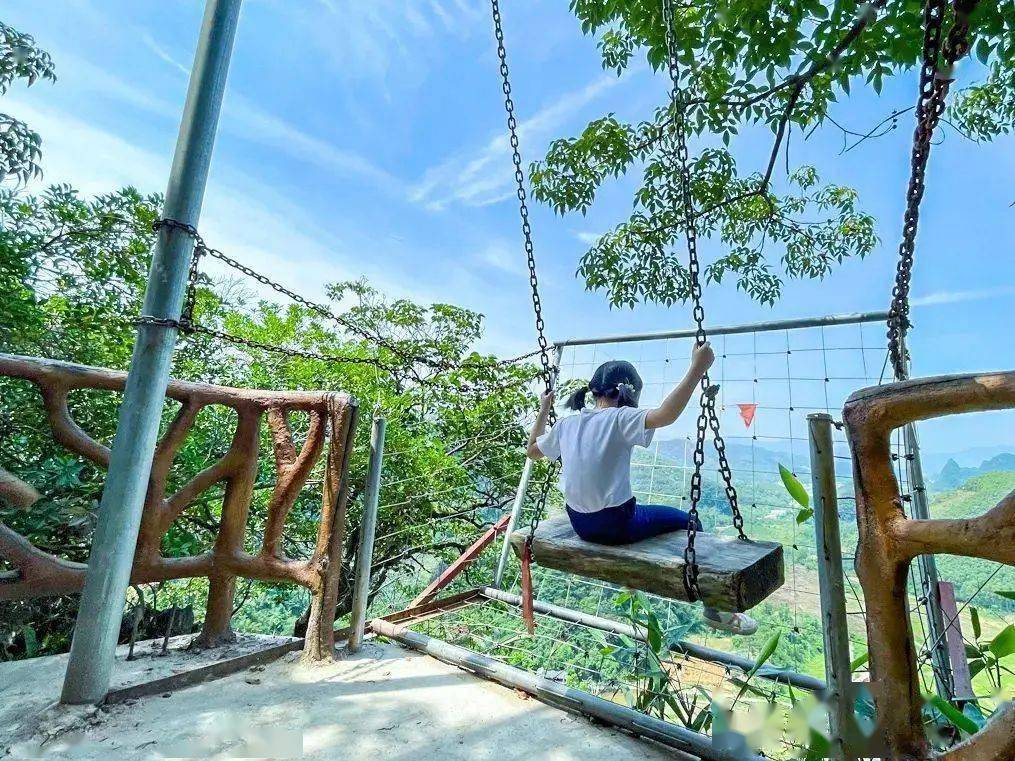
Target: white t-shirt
(594,447)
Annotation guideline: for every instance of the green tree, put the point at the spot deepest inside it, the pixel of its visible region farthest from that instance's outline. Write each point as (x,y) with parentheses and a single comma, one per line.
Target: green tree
(20,147)
(759,65)
(78,267)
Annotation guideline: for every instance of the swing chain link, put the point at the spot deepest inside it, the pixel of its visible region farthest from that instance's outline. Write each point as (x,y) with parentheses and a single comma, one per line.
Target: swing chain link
(935,81)
(708,418)
(187,324)
(548,371)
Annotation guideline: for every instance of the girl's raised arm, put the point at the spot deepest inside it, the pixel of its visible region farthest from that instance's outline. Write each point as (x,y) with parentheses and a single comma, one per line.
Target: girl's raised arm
(667,413)
(539,428)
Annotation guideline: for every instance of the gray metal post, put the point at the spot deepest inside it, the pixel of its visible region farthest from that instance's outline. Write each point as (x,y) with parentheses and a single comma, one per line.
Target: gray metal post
(831,582)
(112,554)
(523,487)
(368,528)
(926,566)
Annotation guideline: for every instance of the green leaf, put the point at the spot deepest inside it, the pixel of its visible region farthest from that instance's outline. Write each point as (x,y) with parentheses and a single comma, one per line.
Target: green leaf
(1006,594)
(804,515)
(982,49)
(766,653)
(952,714)
(860,660)
(976,666)
(974,616)
(746,686)
(1003,644)
(794,487)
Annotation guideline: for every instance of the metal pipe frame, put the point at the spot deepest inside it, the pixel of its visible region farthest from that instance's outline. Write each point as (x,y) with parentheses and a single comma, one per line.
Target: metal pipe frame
(729,330)
(562,696)
(782,676)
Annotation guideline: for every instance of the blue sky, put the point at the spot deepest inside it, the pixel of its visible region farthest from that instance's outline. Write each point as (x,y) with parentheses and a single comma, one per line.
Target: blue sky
(367,139)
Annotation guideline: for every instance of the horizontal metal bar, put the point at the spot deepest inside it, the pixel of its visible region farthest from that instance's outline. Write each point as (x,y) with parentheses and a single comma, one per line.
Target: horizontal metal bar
(560,695)
(783,676)
(729,330)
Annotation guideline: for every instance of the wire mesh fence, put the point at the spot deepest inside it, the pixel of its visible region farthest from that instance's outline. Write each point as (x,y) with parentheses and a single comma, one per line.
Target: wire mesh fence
(770,380)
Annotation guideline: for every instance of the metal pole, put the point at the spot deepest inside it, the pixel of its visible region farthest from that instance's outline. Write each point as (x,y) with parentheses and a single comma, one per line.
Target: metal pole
(831,581)
(516,509)
(564,697)
(112,554)
(729,330)
(523,487)
(926,566)
(368,528)
(683,647)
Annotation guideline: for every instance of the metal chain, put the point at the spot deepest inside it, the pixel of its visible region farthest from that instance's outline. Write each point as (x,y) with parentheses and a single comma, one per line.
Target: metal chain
(935,82)
(707,415)
(523,212)
(187,324)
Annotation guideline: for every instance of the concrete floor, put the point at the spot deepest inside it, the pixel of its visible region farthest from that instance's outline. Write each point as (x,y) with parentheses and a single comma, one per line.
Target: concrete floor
(385,703)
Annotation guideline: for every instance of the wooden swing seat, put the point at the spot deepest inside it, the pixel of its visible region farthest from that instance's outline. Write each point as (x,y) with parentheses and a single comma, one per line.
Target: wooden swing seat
(733,574)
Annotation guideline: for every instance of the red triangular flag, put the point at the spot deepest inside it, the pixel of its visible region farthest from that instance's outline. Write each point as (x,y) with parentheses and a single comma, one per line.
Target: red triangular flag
(747,413)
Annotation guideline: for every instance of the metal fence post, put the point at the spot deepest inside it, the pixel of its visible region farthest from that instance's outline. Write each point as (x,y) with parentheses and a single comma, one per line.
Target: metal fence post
(926,567)
(112,555)
(368,527)
(523,486)
(831,581)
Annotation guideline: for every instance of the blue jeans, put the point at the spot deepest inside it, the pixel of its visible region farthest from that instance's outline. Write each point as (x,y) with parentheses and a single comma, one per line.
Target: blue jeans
(627,523)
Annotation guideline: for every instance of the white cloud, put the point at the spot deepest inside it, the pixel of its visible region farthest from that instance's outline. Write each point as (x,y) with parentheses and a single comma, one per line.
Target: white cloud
(243,217)
(78,75)
(371,40)
(162,54)
(952,297)
(243,119)
(485,177)
(240,118)
(502,256)
(588,238)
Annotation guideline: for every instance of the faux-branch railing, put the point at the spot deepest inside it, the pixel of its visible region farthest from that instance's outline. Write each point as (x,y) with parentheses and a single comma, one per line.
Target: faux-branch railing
(332,422)
(889,541)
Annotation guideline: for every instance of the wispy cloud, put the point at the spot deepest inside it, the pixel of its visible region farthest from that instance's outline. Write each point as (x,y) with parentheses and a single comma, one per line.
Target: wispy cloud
(501,256)
(368,41)
(241,119)
(587,238)
(254,223)
(244,119)
(483,177)
(952,297)
(162,54)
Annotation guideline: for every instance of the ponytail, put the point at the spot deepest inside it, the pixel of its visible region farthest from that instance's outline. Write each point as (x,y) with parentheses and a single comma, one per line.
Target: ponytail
(626,395)
(576,401)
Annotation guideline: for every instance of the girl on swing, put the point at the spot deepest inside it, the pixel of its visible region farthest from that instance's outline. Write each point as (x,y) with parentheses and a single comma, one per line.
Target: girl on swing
(595,448)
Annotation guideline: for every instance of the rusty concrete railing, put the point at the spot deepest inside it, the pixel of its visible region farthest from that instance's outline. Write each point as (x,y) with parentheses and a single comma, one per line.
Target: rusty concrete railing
(332,419)
(889,541)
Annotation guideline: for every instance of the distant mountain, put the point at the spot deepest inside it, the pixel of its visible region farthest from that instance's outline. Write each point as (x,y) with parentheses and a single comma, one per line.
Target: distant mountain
(970,457)
(953,475)
(748,456)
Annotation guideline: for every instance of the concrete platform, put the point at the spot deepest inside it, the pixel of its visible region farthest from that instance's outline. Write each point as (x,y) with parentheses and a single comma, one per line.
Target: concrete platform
(383,703)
